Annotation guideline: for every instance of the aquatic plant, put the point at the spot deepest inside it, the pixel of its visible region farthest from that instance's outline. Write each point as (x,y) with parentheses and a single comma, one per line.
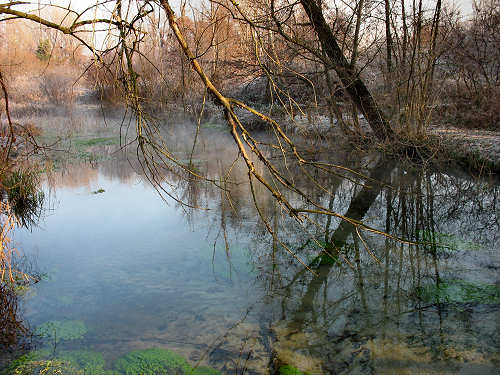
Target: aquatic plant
(18,362)
(153,361)
(24,360)
(447,242)
(459,291)
(202,370)
(39,362)
(58,330)
(157,361)
(74,362)
(46,367)
(290,370)
(91,363)
(24,194)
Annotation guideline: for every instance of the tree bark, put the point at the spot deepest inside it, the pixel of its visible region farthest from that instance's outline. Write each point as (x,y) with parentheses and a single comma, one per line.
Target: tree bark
(350,79)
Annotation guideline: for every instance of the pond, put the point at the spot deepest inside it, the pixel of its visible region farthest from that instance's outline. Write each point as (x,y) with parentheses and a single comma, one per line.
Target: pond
(125,271)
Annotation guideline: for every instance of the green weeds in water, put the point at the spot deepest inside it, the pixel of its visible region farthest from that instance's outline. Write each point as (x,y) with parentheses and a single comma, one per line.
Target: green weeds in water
(446,242)
(155,361)
(151,362)
(290,370)
(201,370)
(75,362)
(24,194)
(459,292)
(58,330)
(45,367)
(89,362)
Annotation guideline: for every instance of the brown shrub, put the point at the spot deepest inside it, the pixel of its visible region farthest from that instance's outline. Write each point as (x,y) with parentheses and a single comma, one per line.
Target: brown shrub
(56,87)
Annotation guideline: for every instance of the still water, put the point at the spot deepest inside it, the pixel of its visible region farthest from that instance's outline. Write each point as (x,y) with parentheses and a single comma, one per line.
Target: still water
(125,270)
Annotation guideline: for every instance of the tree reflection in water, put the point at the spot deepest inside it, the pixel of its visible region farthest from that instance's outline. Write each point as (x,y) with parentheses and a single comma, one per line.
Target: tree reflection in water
(369,311)
(365,302)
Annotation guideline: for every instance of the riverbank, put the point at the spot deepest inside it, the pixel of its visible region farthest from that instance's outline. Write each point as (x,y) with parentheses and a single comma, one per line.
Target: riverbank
(475,150)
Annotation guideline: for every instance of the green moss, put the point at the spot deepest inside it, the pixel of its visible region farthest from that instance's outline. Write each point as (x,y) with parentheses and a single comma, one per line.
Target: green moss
(58,330)
(459,291)
(154,361)
(290,370)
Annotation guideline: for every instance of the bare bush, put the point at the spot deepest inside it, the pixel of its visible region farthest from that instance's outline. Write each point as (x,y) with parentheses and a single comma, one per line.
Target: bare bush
(57,87)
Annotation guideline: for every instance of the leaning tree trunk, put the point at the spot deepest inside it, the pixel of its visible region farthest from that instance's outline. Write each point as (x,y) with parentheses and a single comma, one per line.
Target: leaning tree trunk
(350,79)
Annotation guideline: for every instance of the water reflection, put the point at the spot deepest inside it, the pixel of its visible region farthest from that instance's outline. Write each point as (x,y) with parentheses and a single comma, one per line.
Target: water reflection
(213,286)
(391,307)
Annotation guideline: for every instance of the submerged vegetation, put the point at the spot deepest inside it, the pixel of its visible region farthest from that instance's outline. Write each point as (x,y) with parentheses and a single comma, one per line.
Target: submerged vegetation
(59,330)
(459,292)
(290,370)
(153,361)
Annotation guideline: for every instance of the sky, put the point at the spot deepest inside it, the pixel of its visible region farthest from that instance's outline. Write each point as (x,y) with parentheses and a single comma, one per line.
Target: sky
(464,5)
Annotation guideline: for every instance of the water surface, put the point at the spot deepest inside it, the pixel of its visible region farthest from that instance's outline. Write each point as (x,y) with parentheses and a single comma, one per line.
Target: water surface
(212,285)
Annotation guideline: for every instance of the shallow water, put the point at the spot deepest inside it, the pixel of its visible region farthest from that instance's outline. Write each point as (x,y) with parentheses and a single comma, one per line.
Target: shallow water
(211,285)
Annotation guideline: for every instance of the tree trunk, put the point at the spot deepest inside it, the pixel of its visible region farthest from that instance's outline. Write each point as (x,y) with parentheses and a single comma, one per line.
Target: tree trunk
(350,79)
